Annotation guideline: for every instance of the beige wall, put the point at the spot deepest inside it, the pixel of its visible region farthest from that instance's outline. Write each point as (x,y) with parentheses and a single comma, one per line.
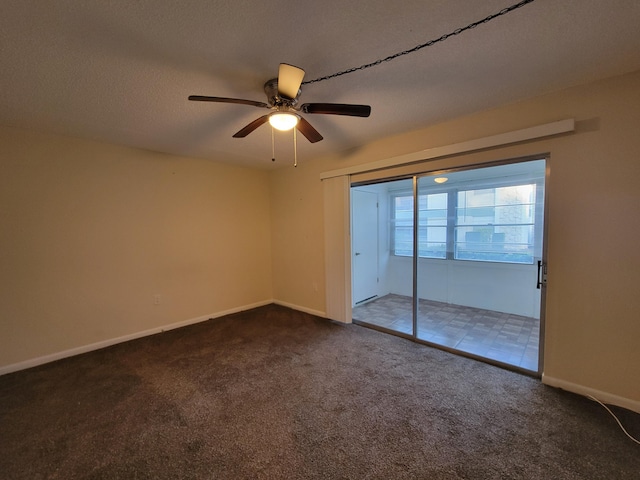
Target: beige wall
(91,232)
(592,339)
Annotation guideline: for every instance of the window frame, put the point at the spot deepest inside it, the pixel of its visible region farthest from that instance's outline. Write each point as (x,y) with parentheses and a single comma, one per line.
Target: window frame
(452,219)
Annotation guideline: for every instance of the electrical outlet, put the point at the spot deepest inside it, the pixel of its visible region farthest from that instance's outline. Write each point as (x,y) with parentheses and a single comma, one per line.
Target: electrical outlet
(156,299)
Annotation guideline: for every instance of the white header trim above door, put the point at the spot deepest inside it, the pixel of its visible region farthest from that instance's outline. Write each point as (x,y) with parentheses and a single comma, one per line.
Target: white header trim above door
(532,133)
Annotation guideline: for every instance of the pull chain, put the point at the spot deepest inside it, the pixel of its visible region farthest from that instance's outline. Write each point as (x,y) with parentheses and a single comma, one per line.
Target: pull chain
(273,146)
(295,148)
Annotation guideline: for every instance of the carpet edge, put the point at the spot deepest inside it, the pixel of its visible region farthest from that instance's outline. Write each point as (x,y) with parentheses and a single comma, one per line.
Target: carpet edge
(52,357)
(293,306)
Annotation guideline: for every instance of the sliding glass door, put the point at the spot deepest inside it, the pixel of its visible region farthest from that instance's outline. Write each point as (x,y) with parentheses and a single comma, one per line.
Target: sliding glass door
(460,271)
(389,304)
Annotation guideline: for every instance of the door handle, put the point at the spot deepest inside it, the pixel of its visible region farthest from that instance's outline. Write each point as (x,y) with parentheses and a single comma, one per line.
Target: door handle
(357,253)
(542,274)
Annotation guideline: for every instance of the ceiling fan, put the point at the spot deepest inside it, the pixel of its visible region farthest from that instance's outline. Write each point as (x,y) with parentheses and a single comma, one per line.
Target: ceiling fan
(282,99)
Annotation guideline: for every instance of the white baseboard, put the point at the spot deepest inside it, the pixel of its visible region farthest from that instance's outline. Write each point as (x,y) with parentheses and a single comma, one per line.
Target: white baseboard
(604,397)
(34,362)
(310,311)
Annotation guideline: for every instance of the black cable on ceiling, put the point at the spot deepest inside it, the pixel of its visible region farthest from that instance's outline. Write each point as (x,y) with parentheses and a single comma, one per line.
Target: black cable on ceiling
(442,38)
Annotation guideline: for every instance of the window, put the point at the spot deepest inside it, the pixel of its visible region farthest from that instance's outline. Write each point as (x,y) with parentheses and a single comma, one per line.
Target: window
(402,222)
(432,231)
(496,224)
(492,223)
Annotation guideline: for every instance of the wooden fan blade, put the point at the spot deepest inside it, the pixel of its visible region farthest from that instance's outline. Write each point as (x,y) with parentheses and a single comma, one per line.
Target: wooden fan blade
(251,127)
(337,109)
(201,98)
(289,80)
(308,131)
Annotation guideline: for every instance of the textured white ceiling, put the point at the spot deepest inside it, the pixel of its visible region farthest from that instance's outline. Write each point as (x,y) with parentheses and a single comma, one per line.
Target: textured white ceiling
(120,71)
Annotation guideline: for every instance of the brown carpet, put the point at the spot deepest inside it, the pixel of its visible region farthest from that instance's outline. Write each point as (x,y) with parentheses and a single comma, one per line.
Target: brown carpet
(273,393)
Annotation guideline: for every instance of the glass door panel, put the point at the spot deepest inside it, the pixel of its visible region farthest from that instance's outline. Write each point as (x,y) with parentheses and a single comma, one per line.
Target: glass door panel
(383,299)
(480,239)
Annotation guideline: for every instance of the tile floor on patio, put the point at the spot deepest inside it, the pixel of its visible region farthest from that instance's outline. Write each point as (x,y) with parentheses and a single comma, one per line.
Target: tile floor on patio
(503,337)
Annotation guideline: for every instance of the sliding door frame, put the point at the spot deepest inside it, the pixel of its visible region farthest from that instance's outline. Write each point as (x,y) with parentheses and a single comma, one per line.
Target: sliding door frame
(415,300)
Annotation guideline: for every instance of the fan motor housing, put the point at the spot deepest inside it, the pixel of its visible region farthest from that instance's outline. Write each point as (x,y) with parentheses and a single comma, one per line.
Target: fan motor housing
(274,98)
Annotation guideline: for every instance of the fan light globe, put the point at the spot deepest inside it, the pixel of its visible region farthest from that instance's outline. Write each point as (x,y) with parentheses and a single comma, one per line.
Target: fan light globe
(283,121)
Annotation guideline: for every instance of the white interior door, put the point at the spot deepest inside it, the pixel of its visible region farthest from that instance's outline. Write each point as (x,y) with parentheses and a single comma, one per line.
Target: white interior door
(364,245)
